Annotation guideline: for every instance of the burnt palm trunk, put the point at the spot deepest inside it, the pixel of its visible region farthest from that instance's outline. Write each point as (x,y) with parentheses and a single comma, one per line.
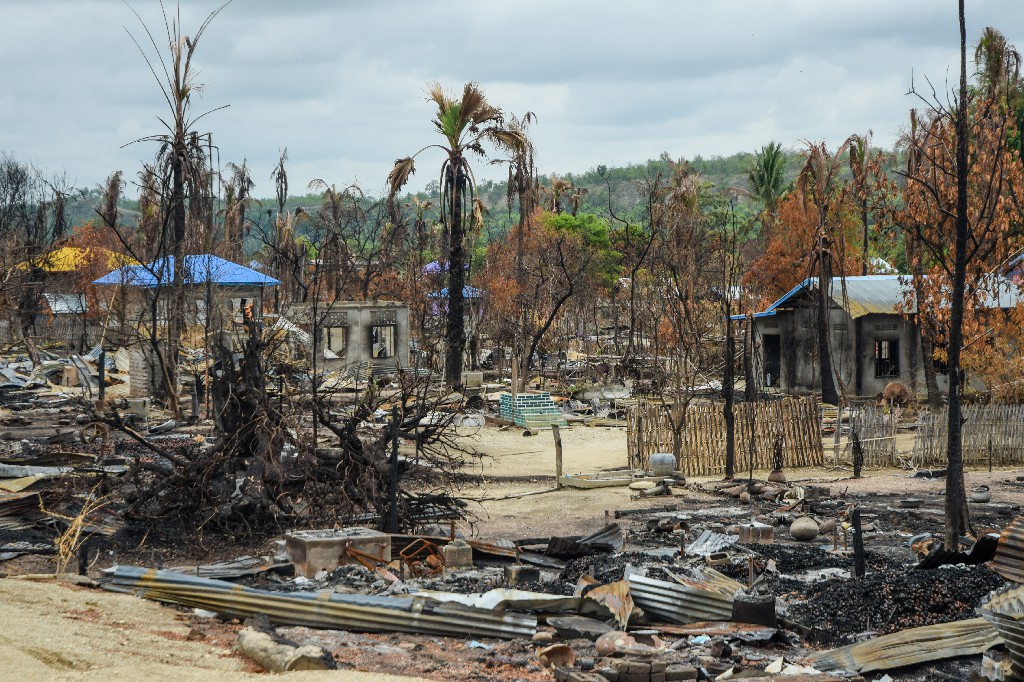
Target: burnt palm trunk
(176,309)
(829,394)
(455,331)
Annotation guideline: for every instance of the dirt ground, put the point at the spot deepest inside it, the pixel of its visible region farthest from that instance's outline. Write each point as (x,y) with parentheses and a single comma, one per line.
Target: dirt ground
(54,631)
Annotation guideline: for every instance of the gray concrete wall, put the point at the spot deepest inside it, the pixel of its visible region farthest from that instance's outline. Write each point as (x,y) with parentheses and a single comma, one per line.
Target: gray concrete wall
(797,332)
(358,320)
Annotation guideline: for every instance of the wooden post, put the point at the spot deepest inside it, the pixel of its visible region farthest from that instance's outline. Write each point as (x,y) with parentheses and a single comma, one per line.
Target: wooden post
(858,545)
(558,455)
(103,385)
(515,377)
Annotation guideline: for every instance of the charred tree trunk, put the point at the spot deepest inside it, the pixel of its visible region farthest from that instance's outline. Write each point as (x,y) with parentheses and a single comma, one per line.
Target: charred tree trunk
(728,381)
(957,515)
(829,394)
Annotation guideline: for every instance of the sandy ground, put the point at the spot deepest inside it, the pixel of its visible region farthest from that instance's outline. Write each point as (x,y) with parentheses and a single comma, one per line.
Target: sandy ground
(57,632)
(514,464)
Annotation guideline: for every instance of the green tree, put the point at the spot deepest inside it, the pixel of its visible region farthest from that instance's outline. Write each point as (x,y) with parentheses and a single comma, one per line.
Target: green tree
(466,125)
(768,182)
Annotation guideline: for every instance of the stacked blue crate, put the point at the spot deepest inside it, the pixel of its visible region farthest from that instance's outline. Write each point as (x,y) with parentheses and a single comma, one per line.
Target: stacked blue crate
(531,410)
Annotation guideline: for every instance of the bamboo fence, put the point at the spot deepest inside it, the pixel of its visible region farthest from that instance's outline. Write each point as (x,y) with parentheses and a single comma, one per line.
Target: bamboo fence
(995,429)
(796,421)
(876,427)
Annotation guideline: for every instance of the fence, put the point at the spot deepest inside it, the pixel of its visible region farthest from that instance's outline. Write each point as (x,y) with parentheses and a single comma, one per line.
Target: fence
(876,428)
(702,442)
(985,427)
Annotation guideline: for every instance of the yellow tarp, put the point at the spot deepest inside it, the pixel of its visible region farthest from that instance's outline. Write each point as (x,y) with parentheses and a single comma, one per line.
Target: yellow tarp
(70,258)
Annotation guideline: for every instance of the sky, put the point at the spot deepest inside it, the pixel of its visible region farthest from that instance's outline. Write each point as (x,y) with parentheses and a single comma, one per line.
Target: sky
(342,84)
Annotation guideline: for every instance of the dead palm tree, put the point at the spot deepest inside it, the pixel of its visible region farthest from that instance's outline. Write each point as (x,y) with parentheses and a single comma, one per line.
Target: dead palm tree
(181,164)
(819,185)
(466,124)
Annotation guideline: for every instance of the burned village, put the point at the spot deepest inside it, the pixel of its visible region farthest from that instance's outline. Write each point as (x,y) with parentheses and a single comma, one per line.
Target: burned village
(694,418)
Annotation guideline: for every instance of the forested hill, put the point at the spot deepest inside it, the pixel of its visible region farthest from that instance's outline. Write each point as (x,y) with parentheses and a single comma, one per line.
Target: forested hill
(609,188)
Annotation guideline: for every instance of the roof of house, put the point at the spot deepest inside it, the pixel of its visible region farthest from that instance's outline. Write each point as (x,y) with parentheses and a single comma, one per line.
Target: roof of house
(887,295)
(199,269)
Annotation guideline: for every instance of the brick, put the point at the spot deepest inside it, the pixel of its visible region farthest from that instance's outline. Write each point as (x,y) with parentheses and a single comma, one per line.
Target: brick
(657,677)
(658,666)
(678,671)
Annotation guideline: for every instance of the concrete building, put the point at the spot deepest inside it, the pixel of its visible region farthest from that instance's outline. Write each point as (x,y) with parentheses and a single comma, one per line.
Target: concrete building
(871,331)
(356,333)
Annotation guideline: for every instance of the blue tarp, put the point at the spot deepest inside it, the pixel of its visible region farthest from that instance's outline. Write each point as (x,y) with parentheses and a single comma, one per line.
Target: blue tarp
(199,269)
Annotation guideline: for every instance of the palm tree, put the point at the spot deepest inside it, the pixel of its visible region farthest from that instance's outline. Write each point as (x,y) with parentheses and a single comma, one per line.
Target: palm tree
(768,182)
(466,125)
(998,65)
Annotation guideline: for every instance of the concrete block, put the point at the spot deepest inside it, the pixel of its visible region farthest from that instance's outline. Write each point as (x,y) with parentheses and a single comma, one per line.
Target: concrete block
(679,671)
(518,574)
(315,550)
(472,379)
(457,554)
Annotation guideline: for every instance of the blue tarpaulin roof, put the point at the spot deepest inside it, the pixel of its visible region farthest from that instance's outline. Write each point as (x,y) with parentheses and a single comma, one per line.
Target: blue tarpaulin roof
(199,269)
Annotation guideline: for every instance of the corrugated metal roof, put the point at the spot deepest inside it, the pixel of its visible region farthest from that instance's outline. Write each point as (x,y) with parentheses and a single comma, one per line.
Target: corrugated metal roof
(912,646)
(331,610)
(1009,559)
(1004,609)
(199,269)
(684,603)
(66,304)
(891,294)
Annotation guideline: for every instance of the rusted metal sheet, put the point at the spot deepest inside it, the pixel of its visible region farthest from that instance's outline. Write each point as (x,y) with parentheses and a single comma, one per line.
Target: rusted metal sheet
(365,613)
(1009,559)
(911,646)
(1004,609)
(616,598)
(687,602)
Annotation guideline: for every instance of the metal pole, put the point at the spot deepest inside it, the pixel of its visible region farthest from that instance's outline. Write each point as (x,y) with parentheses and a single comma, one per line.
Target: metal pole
(103,387)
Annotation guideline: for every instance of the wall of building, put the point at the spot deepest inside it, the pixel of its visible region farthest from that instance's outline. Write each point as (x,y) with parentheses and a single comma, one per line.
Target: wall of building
(799,370)
(359,333)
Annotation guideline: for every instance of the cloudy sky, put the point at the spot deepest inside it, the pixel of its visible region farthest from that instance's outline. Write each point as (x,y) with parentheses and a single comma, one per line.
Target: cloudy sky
(341,84)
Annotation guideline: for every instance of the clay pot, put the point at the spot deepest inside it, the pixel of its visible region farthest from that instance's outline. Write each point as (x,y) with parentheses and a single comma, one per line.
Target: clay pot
(804,529)
(981,494)
(777,476)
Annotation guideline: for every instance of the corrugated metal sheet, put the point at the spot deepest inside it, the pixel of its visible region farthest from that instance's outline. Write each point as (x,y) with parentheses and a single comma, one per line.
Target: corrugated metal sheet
(1009,559)
(1004,609)
(66,304)
(710,542)
(912,646)
(330,610)
(688,602)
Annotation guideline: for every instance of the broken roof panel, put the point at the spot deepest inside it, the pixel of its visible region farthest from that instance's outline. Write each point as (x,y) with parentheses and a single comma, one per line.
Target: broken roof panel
(199,269)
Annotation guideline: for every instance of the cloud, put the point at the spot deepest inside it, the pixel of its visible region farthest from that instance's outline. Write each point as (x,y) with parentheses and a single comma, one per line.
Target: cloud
(342,85)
